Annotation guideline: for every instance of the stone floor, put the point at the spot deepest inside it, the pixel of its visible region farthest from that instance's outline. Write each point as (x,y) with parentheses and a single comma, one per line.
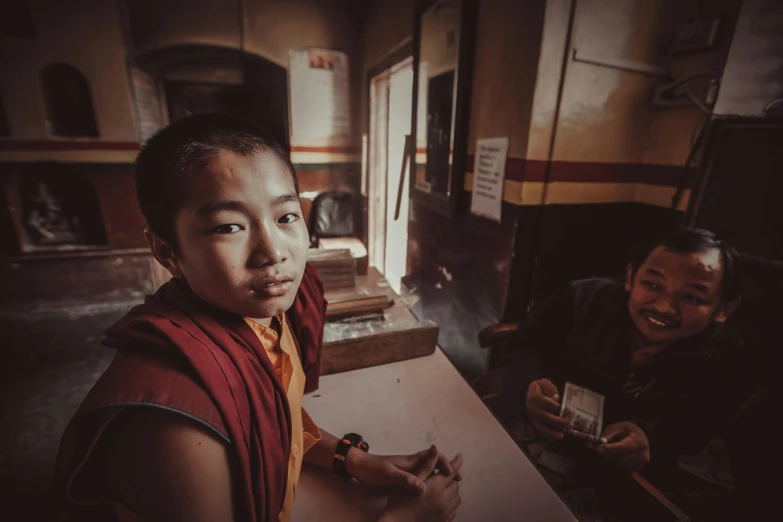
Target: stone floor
(52,357)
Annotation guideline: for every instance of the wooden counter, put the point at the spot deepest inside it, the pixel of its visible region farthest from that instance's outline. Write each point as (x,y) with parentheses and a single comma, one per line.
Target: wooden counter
(400,336)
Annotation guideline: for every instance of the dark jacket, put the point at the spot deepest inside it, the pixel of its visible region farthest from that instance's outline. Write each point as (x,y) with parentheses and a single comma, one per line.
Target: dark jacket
(582,334)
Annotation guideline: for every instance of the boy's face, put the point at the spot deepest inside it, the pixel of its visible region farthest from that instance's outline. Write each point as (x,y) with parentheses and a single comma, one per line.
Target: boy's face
(242,240)
(675,296)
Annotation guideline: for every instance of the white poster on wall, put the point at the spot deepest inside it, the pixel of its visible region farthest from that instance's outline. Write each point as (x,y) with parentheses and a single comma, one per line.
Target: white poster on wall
(488,175)
(148,104)
(319,94)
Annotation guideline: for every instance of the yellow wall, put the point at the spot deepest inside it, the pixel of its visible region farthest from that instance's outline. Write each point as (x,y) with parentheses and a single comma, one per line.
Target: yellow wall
(606,114)
(389,26)
(159,24)
(508,41)
(439,54)
(89,38)
(272,27)
(89,35)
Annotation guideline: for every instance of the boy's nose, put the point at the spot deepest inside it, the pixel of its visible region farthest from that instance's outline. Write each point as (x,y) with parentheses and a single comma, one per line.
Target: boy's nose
(269,249)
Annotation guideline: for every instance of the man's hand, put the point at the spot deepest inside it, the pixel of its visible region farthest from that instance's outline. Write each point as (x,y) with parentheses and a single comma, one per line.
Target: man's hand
(628,446)
(397,471)
(543,409)
(439,500)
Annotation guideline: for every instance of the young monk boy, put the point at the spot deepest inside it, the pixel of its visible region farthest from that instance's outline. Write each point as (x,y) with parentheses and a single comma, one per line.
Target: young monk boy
(660,347)
(199,416)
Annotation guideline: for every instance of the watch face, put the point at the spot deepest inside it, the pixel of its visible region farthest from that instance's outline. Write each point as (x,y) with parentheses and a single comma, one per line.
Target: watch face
(355,440)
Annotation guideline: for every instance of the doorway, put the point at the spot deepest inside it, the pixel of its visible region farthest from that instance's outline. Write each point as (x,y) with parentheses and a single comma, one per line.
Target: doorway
(391,100)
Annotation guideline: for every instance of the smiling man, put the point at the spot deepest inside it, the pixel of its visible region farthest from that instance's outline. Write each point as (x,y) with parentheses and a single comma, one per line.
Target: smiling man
(660,347)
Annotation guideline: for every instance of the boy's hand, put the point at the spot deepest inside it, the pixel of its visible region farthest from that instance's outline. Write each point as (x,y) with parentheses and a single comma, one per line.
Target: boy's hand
(628,446)
(543,410)
(397,471)
(438,502)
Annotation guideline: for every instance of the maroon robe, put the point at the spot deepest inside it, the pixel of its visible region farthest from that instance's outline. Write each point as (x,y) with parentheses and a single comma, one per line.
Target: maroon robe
(179,353)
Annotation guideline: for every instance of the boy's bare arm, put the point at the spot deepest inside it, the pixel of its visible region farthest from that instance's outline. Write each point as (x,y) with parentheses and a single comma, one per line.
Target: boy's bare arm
(164,466)
(322,454)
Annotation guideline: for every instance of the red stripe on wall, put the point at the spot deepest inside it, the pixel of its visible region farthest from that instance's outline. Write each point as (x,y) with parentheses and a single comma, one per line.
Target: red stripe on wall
(128,145)
(518,169)
(68,145)
(343,149)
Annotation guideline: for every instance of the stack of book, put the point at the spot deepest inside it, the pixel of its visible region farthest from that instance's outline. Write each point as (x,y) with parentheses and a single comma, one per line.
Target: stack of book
(356,305)
(336,268)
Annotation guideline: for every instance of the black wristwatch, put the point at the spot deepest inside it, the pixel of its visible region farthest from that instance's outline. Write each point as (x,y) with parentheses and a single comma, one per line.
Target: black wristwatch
(350,440)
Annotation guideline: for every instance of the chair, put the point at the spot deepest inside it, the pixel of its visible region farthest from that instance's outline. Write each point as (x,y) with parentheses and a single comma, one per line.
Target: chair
(332,215)
(491,386)
(333,225)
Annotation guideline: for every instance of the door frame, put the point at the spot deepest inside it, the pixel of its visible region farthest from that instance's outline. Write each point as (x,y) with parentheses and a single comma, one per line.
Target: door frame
(400,53)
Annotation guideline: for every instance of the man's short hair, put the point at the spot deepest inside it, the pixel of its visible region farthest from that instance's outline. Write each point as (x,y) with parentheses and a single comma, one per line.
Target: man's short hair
(174,153)
(692,240)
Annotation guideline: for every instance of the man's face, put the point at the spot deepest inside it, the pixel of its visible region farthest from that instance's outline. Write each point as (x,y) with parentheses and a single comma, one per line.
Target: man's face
(242,240)
(675,296)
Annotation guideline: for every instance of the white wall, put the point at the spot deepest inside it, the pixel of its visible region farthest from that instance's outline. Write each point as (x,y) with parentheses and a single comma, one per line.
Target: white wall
(754,71)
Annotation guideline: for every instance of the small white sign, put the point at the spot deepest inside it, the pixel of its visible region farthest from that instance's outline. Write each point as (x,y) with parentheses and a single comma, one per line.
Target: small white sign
(488,175)
(423,186)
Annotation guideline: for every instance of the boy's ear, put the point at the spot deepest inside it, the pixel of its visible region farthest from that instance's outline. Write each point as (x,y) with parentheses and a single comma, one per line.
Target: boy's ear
(725,311)
(163,253)
(628,277)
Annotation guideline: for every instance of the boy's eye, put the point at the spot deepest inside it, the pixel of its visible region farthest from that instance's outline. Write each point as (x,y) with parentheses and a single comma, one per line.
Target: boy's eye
(694,299)
(650,285)
(288,218)
(226,229)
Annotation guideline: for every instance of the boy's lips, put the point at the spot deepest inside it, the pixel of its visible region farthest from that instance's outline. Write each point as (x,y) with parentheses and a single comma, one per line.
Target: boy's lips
(272,286)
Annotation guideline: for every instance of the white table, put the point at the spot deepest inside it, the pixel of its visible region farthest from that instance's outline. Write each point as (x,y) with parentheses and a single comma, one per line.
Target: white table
(405,407)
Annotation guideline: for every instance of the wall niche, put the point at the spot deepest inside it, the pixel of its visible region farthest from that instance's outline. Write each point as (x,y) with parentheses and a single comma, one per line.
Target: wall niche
(54,208)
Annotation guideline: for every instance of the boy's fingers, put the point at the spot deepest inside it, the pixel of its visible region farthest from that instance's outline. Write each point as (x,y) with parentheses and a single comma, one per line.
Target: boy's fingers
(454,503)
(408,481)
(426,465)
(443,464)
(420,455)
(456,465)
(451,491)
